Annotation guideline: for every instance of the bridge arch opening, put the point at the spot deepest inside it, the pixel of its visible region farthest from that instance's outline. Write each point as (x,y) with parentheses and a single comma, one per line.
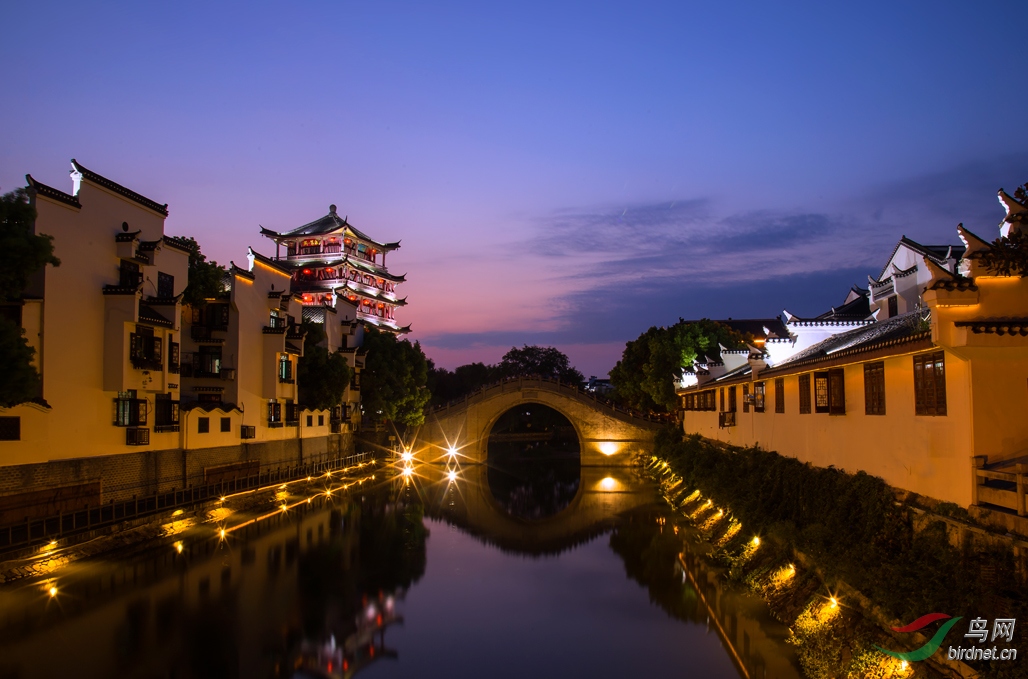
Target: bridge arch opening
(533,454)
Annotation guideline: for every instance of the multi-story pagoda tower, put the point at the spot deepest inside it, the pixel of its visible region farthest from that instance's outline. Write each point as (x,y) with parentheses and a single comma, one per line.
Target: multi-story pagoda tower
(329,258)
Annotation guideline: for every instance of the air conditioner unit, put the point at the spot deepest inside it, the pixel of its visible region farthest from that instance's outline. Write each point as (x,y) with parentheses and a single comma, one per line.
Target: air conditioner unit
(137,436)
(247,431)
(228,374)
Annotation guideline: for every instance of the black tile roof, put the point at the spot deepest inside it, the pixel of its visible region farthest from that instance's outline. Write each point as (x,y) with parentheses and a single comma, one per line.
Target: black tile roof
(147,314)
(376,296)
(997,326)
(904,327)
(52,193)
(325,225)
(119,189)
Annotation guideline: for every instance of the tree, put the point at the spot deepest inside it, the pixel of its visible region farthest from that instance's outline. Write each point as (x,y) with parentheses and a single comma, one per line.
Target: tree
(393,382)
(22,253)
(19,381)
(206,279)
(535,360)
(644,377)
(321,377)
(448,386)
(1009,255)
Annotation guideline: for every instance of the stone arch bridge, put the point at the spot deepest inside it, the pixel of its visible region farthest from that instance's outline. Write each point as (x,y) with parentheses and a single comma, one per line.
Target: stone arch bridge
(607,435)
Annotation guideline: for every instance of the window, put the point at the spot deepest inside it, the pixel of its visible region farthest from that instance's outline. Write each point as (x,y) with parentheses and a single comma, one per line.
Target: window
(893,306)
(722,399)
(821,392)
(804,394)
(930,384)
(203,425)
(174,358)
(10,428)
(129,274)
(129,411)
(321,420)
(226,424)
(145,350)
(874,388)
(165,413)
(207,361)
(746,398)
(758,397)
(285,369)
(830,392)
(165,285)
(310,420)
(274,412)
(292,414)
(779,394)
(836,392)
(731,400)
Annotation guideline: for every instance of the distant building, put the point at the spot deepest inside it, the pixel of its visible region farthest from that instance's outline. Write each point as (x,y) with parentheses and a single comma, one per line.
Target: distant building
(599,386)
(329,258)
(931,398)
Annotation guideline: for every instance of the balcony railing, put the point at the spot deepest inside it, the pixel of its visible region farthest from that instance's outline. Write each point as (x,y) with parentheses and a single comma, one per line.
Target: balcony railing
(293,423)
(286,379)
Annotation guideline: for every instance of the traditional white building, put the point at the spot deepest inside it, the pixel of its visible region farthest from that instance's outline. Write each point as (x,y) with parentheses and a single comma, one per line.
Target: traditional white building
(104,324)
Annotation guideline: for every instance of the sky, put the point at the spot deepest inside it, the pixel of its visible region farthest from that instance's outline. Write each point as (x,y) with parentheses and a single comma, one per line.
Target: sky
(559,173)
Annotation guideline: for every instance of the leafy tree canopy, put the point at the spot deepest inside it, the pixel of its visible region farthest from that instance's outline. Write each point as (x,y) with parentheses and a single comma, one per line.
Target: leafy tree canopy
(22,253)
(206,279)
(448,385)
(644,377)
(19,381)
(536,360)
(393,382)
(1009,256)
(321,377)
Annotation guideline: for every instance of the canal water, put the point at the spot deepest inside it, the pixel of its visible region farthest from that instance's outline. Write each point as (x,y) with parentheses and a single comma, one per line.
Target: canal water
(405,570)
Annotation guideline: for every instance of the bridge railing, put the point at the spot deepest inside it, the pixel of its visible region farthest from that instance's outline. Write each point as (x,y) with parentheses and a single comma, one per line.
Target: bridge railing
(572,389)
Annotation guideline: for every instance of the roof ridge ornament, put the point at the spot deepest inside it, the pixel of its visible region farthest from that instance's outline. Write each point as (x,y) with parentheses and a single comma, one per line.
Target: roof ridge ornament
(1017,214)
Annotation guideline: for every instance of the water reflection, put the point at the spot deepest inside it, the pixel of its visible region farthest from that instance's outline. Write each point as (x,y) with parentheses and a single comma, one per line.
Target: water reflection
(534,462)
(355,583)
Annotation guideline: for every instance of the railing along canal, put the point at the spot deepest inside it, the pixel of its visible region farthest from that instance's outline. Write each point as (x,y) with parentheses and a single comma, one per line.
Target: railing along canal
(40,530)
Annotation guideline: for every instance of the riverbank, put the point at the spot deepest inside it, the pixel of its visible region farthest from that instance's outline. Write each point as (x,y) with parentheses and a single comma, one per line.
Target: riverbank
(840,559)
(201,518)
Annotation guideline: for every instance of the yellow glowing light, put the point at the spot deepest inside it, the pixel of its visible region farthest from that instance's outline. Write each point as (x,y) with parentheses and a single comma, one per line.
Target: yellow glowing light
(53,591)
(221,533)
(284,507)
(407,471)
(328,493)
(177,512)
(903,666)
(178,547)
(451,451)
(835,602)
(756,541)
(282,487)
(308,478)
(608,483)
(452,475)
(609,448)
(407,456)
(53,543)
(222,499)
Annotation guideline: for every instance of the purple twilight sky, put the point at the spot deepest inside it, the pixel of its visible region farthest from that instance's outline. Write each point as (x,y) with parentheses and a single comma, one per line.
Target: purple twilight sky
(565,173)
